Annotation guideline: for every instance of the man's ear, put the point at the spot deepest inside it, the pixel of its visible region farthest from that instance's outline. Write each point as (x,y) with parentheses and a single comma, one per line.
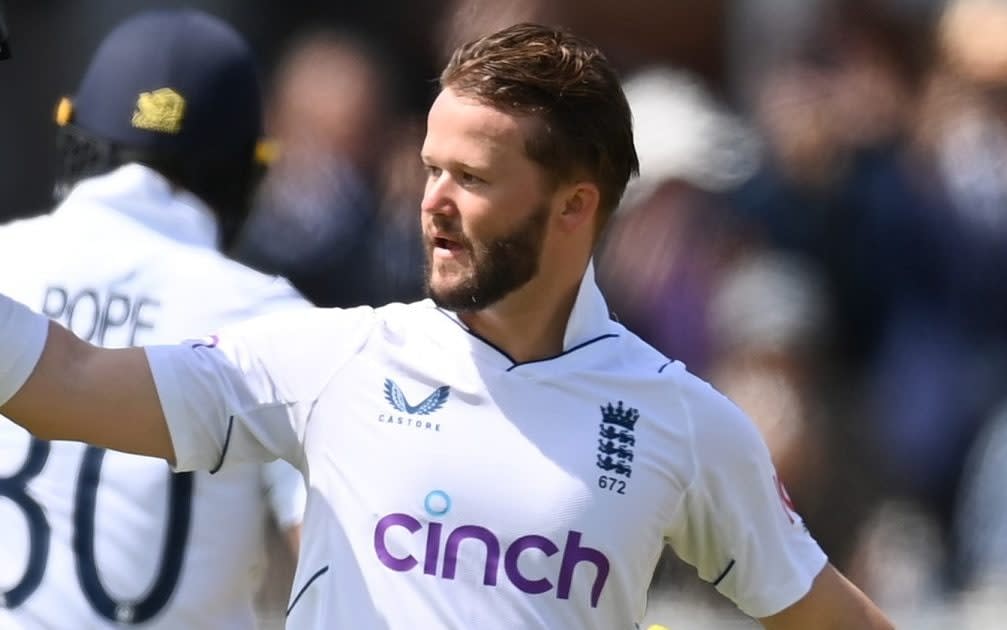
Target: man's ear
(579,206)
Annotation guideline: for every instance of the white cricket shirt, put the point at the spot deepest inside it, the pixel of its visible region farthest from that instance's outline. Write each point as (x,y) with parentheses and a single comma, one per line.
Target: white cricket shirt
(92,537)
(449,487)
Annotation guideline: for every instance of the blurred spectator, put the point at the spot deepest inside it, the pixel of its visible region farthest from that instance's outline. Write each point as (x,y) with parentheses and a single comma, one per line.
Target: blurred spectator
(317,219)
(762,34)
(672,237)
(981,521)
(838,193)
(962,138)
(768,318)
(633,33)
(888,176)
(660,264)
(683,133)
(941,365)
(834,191)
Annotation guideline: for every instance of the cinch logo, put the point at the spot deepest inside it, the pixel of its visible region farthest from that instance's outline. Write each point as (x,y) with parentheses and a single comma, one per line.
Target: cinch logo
(441,548)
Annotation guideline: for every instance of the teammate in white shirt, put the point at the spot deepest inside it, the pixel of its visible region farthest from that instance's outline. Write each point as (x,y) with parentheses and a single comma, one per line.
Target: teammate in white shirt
(503,455)
(97,539)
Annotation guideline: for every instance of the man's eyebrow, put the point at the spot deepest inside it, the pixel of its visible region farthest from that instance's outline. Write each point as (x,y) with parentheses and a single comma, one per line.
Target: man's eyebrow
(452,164)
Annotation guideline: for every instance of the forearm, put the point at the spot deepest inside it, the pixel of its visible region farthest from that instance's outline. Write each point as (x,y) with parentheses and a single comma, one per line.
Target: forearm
(833,603)
(76,391)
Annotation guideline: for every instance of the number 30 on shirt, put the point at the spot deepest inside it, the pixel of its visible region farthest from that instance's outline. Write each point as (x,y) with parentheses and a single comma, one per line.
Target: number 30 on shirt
(15,489)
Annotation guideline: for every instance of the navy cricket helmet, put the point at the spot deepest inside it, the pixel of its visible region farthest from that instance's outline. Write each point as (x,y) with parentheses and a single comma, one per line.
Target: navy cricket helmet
(171,82)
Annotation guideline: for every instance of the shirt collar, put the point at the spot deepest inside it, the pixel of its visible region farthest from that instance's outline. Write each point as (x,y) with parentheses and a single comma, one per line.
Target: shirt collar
(589,318)
(146,196)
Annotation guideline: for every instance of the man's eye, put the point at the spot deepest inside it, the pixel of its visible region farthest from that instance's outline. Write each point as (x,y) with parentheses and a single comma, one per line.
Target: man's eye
(432,171)
(469,179)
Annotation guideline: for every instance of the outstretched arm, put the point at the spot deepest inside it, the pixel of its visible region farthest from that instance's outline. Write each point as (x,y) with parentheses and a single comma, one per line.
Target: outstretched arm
(80,392)
(833,603)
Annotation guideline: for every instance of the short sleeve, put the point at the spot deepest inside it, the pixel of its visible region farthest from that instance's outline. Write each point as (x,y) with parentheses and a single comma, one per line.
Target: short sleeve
(25,334)
(736,524)
(244,395)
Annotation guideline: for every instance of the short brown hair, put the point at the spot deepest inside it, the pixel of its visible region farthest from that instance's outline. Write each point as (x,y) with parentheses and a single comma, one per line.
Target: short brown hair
(570,86)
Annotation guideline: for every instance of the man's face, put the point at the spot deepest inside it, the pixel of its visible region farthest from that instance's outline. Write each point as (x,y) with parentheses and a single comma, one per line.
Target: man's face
(485,210)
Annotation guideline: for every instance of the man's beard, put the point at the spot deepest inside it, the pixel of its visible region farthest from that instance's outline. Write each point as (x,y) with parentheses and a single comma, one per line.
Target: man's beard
(496,267)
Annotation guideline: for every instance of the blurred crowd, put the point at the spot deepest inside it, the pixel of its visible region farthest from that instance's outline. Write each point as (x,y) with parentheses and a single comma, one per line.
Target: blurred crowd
(819,229)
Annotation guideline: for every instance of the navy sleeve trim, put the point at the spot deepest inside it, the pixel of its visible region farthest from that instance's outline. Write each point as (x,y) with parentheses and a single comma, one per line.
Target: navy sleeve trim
(661,369)
(310,581)
(723,574)
(227,444)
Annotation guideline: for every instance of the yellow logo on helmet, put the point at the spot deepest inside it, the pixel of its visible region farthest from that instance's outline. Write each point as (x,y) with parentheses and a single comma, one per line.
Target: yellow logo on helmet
(161,110)
(64,112)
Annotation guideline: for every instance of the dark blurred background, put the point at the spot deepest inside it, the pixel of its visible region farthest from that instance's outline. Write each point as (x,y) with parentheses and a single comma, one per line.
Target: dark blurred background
(820,229)
(52,41)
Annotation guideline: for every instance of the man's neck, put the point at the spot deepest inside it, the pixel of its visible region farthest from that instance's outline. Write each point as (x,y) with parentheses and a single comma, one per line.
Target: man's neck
(529,324)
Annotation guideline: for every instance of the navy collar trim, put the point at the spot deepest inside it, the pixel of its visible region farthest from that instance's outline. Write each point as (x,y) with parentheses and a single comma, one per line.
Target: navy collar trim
(501,351)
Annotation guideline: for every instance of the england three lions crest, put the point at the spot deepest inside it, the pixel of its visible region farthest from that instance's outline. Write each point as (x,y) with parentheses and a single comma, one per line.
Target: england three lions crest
(616,439)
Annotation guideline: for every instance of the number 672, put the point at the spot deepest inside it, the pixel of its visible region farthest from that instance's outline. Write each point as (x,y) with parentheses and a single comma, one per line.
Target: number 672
(612,484)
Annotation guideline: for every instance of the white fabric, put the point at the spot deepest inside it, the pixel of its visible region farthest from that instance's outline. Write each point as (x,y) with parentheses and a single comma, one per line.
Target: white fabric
(126,260)
(24,334)
(449,487)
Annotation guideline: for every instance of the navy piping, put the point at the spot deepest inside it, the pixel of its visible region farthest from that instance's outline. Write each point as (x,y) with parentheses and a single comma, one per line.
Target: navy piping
(310,581)
(227,443)
(724,574)
(661,369)
(565,352)
(485,341)
(515,364)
